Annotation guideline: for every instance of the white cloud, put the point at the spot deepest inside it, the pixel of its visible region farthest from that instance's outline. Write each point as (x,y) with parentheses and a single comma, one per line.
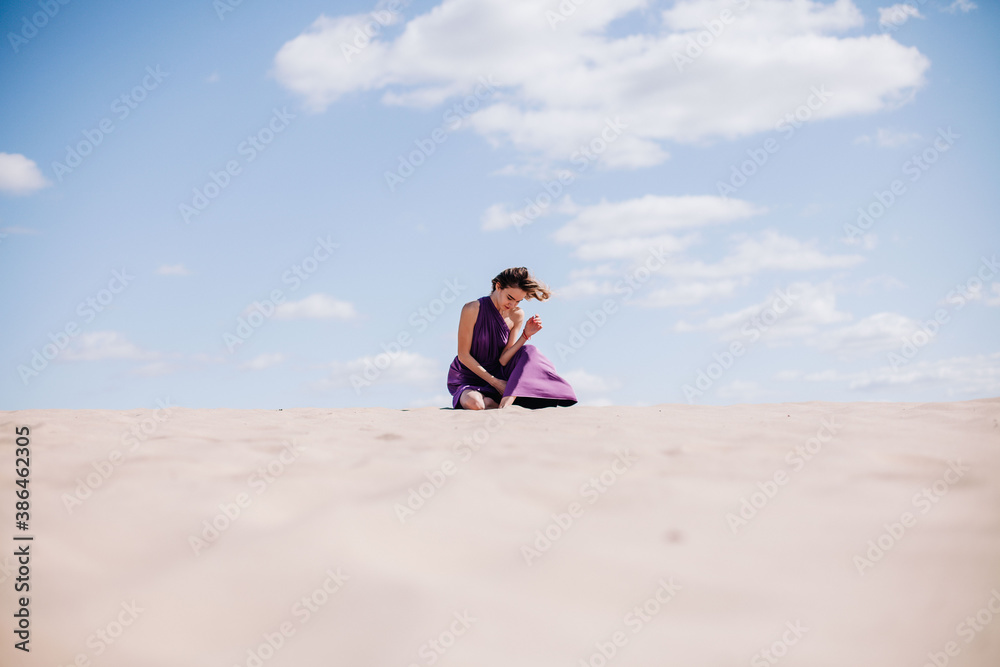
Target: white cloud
(994,300)
(633,247)
(696,280)
(631,228)
(582,381)
(808,320)
(897,15)
(990,298)
(498,217)
(583,284)
(102,345)
(207,359)
(262,361)
(978,374)
(582,288)
(596,402)
(155,369)
(885,138)
(602,270)
(883,282)
(502,216)
(316,306)
(879,332)
(435,401)
(405,368)
(797,311)
(964,6)
(778,17)
(650,216)
(691,293)
(555,89)
(893,139)
(741,390)
(19,175)
(867,241)
(769,251)
(172,270)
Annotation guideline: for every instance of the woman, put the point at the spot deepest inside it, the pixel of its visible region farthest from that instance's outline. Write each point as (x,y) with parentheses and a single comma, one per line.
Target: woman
(494,369)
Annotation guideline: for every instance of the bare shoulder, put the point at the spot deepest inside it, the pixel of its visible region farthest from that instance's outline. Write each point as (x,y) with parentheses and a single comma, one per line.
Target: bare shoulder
(517,315)
(470,310)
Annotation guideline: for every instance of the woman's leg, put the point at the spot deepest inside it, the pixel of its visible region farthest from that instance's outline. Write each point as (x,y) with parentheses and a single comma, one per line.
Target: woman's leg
(474,400)
(531,374)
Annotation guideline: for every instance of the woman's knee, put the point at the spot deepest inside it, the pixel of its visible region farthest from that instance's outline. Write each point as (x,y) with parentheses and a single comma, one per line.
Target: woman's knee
(528,350)
(522,352)
(472,400)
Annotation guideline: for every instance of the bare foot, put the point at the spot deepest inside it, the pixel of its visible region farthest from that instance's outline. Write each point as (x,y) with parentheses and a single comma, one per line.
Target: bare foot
(506,400)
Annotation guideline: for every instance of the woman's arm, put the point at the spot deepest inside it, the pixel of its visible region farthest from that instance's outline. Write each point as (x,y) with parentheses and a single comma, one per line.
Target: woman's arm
(513,344)
(466,324)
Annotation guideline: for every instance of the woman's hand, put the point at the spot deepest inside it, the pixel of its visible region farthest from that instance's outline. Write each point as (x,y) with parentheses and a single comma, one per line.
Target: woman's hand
(499,385)
(533,325)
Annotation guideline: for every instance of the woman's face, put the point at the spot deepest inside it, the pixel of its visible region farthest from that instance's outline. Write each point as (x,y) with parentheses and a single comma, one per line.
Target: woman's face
(510,297)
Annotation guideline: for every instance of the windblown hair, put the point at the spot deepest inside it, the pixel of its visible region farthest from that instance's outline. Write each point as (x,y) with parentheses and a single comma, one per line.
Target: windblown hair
(520,278)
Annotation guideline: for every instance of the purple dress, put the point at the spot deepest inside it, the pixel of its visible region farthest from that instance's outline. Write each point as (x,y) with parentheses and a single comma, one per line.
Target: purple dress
(530,376)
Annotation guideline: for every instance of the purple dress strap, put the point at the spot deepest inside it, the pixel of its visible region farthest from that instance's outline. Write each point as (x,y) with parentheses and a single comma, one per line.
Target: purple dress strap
(528,373)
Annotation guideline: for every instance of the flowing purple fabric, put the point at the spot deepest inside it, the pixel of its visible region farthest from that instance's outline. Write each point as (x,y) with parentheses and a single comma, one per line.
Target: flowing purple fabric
(528,374)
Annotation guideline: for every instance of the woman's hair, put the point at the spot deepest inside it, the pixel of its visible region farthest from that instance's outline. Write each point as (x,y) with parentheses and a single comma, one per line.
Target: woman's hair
(520,278)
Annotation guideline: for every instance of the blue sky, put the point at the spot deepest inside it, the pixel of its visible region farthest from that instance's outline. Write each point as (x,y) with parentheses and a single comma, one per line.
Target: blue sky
(259,205)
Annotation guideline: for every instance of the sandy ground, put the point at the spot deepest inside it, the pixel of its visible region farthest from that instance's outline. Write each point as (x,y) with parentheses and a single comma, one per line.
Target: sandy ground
(796,534)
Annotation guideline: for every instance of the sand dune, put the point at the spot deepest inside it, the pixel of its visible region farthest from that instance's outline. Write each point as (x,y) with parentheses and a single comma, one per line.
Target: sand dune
(862,534)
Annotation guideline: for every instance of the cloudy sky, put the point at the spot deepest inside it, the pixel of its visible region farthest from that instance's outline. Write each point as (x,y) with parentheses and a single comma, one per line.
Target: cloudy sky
(263,204)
